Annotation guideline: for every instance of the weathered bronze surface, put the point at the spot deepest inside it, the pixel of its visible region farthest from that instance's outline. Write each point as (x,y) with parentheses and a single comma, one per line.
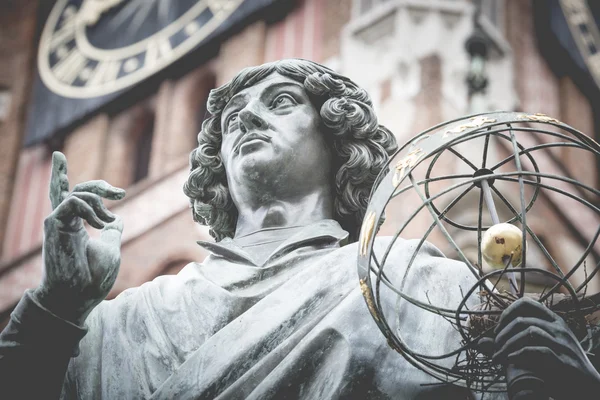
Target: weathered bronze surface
(282,176)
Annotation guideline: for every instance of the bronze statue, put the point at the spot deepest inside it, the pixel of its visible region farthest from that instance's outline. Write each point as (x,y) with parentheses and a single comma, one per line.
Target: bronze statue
(282,175)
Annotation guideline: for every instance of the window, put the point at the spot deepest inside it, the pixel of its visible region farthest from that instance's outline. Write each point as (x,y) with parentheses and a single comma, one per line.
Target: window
(5,100)
(202,90)
(143,149)
(129,144)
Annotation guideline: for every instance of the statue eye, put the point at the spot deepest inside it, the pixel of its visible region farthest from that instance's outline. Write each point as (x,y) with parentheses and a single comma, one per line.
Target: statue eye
(283,100)
(231,120)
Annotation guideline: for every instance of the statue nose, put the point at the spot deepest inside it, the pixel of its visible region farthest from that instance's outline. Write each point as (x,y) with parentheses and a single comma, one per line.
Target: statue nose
(251,120)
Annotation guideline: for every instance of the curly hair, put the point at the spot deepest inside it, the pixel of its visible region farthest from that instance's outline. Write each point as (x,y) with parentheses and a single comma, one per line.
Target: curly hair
(360,145)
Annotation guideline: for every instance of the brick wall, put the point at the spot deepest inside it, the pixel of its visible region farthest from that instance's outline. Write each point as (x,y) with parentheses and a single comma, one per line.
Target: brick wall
(17,52)
(123,134)
(336,13)
(538,88)
(85,150)
(180,109)
(576,111)
(247,48)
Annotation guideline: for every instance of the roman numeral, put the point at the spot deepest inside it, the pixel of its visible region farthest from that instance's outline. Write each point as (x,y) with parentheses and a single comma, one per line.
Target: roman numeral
(594,64)
(106,71)
(576,11)
(218,6)
(67,69)
(157,50)
(63,35)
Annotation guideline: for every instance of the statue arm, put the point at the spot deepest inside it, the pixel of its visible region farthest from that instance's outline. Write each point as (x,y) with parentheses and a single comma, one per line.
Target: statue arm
(46,326)
(35,349)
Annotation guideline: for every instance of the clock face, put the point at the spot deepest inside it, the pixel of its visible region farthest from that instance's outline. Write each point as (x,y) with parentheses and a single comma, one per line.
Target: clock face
(91,48)
(583,27)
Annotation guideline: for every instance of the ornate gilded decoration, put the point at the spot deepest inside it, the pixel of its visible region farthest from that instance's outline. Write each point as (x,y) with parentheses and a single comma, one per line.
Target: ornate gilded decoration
(367,295)
(366,232)
(539,117)
(406,163)
(91,10)
(474,122)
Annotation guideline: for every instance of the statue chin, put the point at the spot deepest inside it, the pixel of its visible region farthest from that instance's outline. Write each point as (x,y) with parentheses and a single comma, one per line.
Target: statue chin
(257,162)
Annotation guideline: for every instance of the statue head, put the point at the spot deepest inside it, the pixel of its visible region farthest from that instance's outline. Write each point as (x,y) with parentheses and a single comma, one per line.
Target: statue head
(340,127)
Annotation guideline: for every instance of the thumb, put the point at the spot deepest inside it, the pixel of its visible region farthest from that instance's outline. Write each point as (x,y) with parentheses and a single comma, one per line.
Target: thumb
(104,255)
(111,234)
(486,346)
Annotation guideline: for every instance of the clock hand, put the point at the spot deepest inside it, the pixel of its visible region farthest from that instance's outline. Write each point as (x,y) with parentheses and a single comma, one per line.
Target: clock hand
(140,16)
(91,10)
(132,8)
(163,11)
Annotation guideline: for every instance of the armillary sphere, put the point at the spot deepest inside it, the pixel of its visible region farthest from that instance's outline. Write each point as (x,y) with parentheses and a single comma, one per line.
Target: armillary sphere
(507,167)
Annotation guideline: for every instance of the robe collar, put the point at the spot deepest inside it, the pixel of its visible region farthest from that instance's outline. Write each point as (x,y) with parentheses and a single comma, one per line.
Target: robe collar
(327,232)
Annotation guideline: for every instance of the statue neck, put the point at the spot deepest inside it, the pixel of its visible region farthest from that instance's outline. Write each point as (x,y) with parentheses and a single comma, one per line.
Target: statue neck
(285,213)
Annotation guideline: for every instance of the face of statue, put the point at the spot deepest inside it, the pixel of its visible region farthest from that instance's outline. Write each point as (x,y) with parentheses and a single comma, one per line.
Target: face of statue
(272,138)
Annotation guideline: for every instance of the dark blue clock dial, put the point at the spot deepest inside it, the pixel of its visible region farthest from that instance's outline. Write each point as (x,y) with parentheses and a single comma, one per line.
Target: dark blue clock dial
(133,21)
(95,47)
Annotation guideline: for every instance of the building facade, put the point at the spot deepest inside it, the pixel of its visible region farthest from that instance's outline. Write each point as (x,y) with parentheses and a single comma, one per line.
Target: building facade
(408,54)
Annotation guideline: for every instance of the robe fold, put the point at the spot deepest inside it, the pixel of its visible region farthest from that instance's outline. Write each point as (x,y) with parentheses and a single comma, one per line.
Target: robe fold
(294,327)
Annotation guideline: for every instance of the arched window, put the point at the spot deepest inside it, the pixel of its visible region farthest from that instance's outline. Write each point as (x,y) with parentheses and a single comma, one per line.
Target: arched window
(129,145)
(5,102)
(143,147)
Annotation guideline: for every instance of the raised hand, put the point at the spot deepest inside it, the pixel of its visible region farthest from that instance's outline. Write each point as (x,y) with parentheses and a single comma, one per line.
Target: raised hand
(78,271)
(532,337)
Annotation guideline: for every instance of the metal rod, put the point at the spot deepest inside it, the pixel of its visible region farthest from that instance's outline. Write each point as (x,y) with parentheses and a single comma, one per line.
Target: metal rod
(489,201)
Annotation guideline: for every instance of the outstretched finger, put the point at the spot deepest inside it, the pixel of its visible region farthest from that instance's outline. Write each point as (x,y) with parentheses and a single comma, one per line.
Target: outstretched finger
(521,324)
(486,346)
(95,202)
(78,207)
(525,307)
(59,183)
(101,188)
(533,337)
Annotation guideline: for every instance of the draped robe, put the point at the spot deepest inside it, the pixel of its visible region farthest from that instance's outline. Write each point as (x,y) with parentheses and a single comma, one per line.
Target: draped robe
(295,327)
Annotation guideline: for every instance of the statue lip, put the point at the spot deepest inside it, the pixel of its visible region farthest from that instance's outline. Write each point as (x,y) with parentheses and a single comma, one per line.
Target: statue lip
(251,136)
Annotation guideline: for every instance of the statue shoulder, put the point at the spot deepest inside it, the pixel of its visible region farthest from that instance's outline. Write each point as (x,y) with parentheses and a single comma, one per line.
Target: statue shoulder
(425,259)
(163,285)
(400,246)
